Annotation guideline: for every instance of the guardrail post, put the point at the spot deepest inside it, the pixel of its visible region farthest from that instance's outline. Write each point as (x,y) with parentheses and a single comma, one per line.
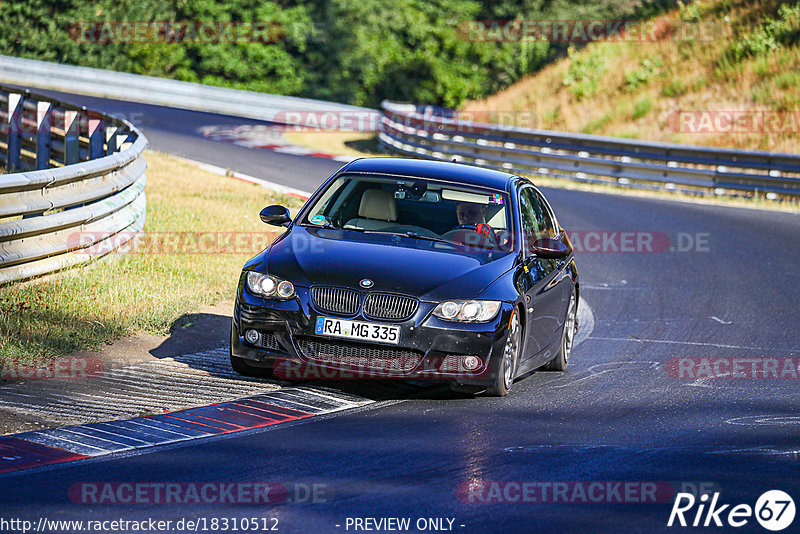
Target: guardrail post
(111,139)
(72,147)
(123,137)
(44,121)
(96,134)
(15,101)
(71,137)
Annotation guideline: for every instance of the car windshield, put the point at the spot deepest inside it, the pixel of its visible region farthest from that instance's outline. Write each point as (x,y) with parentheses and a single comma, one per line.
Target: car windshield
(460,216)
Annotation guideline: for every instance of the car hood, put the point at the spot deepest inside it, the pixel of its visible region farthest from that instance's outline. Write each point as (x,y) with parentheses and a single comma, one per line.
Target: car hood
(428,270)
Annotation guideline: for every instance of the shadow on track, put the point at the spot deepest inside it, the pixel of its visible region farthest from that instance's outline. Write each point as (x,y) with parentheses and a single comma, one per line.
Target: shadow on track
(192,335)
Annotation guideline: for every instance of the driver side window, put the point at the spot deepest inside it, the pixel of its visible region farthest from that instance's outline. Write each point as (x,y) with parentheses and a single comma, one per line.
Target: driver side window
(548,228)
(531,230)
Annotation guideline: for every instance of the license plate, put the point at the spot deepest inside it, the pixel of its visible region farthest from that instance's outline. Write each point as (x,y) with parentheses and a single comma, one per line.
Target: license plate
(378,333)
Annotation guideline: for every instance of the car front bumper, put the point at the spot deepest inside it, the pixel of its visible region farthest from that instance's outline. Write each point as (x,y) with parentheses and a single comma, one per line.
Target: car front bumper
(428,348)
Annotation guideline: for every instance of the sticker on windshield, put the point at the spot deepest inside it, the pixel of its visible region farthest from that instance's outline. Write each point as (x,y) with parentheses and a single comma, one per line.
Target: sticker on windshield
(318,219)
(497,199)
(400,194)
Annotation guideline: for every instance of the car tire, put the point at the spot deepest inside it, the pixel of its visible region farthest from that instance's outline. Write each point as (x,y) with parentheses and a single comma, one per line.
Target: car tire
(507,370)
(241,366)
(561,361)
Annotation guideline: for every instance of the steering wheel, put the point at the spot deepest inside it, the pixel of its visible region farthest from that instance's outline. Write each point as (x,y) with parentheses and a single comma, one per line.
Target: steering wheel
(463,232)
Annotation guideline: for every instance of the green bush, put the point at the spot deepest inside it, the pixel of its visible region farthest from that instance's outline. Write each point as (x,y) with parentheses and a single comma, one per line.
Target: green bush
(551,116)
(598,124)
(642,108)
(641,76)
(584,73)
(691,12)
(773,34)
(676,87)
(788,80)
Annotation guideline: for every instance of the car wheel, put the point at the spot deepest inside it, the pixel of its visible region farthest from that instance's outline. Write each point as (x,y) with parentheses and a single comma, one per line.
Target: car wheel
(508,365)
(560,362)
(241,366)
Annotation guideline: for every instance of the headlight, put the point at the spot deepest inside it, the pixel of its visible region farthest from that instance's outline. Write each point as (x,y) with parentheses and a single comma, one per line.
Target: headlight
(268,286)
(467,311)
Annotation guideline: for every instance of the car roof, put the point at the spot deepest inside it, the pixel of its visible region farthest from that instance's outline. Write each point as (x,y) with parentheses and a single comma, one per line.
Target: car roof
(436,170)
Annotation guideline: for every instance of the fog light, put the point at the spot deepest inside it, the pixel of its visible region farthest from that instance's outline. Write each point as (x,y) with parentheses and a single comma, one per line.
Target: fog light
(471,362)
(252,337)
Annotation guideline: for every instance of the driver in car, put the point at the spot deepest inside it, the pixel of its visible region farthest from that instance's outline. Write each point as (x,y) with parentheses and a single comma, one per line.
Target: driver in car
(472,214)
(469,213)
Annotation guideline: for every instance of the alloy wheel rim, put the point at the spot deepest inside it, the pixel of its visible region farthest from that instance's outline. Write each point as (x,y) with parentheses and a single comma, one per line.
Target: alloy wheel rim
(569,328)
(510,352)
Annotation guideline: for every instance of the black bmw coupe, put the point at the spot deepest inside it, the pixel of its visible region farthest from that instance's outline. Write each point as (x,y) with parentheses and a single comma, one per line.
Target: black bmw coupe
(411,269)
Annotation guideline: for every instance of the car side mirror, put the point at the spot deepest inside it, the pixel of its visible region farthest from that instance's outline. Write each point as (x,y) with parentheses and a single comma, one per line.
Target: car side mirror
(276,215)
(547,247)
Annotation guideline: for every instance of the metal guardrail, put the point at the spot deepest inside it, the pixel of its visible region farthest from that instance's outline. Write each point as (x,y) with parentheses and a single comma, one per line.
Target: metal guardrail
(590,158)
(76,179)
(166,92)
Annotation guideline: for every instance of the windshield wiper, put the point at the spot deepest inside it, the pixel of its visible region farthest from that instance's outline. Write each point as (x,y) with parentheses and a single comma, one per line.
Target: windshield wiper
(415,235)
(365,231)
(412,235)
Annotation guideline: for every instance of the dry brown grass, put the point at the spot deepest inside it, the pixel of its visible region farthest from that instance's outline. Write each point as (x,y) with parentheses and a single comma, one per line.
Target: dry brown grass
(686,75)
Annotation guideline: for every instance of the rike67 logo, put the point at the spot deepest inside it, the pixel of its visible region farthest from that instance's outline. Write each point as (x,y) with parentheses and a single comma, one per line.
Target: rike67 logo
(774,510)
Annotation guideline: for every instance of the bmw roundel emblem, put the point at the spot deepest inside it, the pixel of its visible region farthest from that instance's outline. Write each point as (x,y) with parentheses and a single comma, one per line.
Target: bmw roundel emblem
(366,282)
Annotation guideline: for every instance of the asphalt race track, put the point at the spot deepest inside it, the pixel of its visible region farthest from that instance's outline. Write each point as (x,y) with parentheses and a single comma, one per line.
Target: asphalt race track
(717,283)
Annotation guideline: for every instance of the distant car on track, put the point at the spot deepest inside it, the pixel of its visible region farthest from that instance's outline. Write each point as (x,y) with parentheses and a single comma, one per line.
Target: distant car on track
(409,269)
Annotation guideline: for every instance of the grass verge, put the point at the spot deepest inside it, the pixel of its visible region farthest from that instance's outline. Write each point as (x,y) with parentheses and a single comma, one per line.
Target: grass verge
(123,294)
